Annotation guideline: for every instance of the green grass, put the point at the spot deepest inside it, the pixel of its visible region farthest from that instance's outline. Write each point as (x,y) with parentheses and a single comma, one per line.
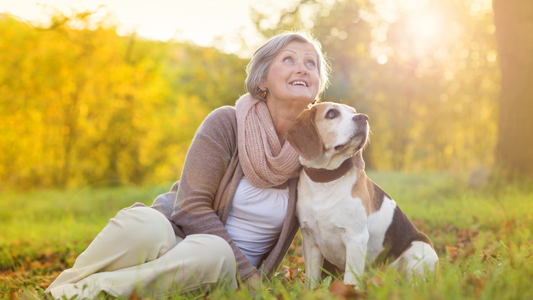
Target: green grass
(483,238)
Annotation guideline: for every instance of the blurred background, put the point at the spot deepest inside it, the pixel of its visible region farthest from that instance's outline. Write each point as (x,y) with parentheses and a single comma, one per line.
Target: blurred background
(113,91)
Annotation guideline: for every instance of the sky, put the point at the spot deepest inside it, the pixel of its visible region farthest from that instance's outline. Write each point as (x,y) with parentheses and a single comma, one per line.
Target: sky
(221,23)
(199,21)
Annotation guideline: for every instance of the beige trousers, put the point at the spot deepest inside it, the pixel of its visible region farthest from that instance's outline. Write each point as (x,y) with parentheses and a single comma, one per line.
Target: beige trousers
(138,251)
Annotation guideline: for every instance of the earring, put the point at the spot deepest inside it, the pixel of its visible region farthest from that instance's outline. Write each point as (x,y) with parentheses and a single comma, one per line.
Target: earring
(263,94)
(313,103)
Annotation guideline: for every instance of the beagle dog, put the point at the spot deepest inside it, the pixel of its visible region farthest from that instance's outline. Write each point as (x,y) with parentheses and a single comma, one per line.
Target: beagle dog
(345,217)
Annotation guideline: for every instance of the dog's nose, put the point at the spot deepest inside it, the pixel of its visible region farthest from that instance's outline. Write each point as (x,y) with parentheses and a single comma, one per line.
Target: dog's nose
(360,118)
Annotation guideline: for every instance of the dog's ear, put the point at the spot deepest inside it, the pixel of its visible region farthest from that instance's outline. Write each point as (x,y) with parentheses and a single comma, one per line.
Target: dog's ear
(304,137)
(358,160)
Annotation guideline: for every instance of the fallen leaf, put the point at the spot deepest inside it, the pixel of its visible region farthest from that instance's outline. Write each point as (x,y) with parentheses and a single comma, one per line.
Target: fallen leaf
(13,295)
(376,280)
(344,291)
(479,287)
(45,284)
(286,272)
(449,227)
(296,259)
(134,296)
(421,225)
(452,253)
(477,281)
(290,274)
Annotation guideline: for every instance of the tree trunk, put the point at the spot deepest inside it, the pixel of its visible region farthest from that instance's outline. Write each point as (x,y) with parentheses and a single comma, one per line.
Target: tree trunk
(514,34)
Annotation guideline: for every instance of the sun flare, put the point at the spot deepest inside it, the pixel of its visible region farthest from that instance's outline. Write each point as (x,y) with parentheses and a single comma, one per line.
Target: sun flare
(425,27)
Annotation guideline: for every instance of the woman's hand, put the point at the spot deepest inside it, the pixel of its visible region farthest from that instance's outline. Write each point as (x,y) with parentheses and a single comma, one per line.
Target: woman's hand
(253,282)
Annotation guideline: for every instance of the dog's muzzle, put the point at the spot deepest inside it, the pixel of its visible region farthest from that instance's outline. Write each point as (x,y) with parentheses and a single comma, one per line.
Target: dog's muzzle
(360,119)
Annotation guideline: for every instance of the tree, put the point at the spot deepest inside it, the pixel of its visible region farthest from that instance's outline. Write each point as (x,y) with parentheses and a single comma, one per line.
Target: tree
(514,34)
(80,104)
(432,100)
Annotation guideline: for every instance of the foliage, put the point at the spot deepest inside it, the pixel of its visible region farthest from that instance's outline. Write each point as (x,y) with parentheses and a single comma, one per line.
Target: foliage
(424,71)
(483,239)
(80,104)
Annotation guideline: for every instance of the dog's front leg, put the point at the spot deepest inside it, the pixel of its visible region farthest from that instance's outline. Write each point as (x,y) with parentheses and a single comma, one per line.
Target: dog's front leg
(314,260)
(356,247)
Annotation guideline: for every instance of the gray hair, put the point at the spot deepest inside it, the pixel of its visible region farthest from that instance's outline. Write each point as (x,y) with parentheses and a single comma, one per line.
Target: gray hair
(257,68)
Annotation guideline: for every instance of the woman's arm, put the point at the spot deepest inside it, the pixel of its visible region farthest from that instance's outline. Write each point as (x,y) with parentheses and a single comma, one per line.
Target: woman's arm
(205,165)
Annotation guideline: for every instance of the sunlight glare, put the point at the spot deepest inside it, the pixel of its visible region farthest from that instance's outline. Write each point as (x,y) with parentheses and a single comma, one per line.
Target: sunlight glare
(425,27)
(382,59)
(202,22)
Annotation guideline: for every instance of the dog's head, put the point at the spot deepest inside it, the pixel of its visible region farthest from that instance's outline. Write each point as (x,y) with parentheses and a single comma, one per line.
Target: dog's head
(327,134)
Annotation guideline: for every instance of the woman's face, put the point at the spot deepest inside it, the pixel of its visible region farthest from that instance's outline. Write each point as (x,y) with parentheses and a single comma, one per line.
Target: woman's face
(293,75)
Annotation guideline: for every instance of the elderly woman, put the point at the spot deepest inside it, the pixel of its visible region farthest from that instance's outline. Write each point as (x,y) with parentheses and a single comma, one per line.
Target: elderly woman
(233,212)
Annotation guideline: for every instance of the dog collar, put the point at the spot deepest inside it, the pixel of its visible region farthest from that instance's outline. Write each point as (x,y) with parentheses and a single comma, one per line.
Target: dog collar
(324,175)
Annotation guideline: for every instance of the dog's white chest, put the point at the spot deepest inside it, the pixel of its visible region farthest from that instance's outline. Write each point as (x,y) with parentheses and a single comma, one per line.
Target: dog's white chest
(330,216)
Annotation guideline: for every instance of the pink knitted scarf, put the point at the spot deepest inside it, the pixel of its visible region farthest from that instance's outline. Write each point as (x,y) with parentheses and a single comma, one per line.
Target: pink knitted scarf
(264,162)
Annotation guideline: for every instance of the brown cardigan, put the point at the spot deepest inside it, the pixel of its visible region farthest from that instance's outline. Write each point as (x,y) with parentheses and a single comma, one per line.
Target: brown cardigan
(201,201)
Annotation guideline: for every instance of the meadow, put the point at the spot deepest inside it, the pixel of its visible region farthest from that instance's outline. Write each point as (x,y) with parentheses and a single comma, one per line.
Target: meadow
(483,238)
(80,102)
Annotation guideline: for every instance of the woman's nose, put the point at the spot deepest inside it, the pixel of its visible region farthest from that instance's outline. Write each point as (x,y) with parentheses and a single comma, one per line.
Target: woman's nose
(301,69)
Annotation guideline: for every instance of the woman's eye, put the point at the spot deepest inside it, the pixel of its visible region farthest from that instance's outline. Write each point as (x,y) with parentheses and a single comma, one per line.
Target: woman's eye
(332,113)
(311,63)
(288,59)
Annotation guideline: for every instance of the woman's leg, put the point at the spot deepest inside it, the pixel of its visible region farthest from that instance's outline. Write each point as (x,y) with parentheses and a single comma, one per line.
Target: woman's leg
(133,236)
(137,249)
(198,262)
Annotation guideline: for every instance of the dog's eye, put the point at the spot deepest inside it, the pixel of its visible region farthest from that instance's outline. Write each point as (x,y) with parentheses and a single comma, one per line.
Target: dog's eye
(332,113)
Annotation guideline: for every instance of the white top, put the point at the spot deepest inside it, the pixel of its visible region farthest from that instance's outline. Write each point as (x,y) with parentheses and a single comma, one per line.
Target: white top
(255,219)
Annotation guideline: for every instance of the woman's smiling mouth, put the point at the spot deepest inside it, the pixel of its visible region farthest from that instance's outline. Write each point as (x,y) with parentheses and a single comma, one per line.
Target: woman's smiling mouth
(298,82)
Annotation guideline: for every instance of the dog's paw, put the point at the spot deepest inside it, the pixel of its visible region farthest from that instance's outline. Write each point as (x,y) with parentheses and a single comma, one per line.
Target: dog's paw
(349,279)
